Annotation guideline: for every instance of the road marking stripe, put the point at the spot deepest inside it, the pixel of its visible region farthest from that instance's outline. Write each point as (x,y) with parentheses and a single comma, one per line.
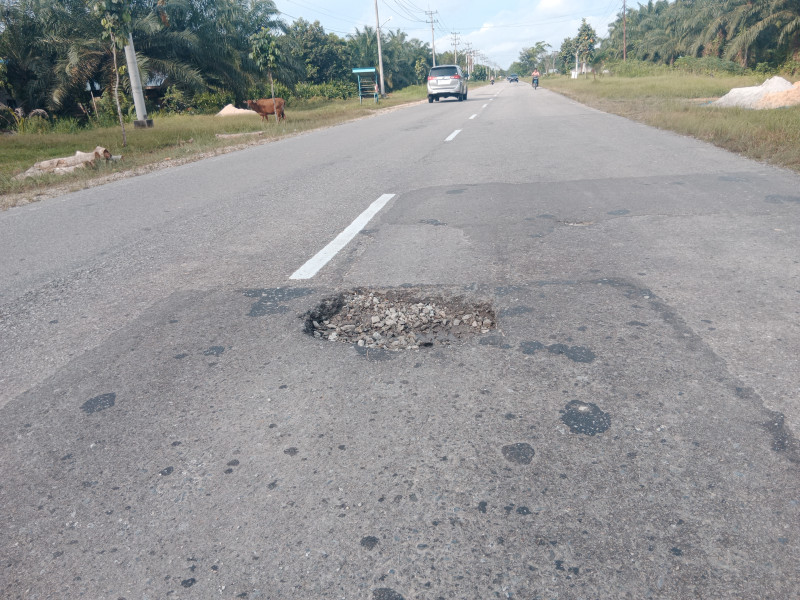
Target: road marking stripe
(484,106)
(472,117)
(452,136)
(321,258)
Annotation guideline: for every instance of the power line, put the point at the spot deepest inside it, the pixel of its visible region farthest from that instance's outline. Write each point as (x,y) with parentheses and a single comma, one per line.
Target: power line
(408,11)
(320,11)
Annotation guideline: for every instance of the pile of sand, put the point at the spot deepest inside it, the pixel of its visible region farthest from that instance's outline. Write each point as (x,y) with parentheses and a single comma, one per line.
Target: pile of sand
(751,97)
(790,97)
(230,111)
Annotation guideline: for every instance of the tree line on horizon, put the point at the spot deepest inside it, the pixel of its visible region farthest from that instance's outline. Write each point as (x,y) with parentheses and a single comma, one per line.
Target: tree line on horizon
(762,34)
(54,55)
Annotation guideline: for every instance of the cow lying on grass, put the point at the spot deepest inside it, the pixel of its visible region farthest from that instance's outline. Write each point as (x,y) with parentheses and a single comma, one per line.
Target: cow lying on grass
(265,107)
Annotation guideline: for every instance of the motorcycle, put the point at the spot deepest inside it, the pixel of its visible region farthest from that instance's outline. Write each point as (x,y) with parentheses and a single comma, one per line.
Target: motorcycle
(535,82)
(492,80)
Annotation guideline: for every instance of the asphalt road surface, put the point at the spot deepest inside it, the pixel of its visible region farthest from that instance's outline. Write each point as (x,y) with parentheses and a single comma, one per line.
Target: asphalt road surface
(628,429)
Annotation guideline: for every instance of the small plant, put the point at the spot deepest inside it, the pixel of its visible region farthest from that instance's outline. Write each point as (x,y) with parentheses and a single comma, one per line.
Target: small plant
(764,69)
(66,125)
(106,115)
(174,101)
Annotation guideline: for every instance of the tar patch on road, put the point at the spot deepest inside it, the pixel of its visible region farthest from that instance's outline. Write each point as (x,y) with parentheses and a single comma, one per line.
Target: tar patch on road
(386,594)
(521,454)
(576,353)
(273,301)
(98,403)
(369,542)
(779,199)
(585,418)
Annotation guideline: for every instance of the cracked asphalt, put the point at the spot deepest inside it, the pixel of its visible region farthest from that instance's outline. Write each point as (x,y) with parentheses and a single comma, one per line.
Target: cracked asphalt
(628,429)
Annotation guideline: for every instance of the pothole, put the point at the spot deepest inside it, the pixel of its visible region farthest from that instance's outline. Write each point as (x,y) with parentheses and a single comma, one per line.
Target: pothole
(398,319)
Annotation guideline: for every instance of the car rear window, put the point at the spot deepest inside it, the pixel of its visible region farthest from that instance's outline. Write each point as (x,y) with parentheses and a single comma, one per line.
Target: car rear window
(443,71)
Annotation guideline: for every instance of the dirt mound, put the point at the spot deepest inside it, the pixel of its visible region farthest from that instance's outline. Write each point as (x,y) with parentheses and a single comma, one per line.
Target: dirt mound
(789,97)
(230,111)
(750,97)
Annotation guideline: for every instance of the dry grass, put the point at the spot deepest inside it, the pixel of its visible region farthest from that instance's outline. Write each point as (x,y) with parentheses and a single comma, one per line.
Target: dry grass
(681,103)
(175,139)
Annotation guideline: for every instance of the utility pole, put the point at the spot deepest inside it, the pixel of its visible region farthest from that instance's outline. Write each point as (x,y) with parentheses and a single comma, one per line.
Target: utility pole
(624,32)
(380,53)
(455,45)
(468,55)
(136,86)
(430,14)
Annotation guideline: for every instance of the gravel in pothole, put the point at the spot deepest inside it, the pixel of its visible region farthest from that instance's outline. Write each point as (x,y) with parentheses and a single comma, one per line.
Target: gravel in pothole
(398,319)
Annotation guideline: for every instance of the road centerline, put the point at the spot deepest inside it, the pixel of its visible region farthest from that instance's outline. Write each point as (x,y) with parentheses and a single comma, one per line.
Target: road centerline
(321,258)
(452,136)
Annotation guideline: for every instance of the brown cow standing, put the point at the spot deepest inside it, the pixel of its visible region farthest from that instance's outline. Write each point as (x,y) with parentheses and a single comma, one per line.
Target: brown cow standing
(265,107)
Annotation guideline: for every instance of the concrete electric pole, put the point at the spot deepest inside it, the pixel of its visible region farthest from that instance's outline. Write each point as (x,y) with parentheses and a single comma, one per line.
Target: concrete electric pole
(430,14)
(455,46)
(380,53)
(136,86)
(624,31)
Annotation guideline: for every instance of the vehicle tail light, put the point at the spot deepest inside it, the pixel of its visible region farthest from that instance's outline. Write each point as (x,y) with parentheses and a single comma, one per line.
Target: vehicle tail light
(456,76)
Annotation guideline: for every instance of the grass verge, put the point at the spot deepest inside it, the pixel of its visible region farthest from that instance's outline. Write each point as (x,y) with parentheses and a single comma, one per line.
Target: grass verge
(175,139)
(681,103)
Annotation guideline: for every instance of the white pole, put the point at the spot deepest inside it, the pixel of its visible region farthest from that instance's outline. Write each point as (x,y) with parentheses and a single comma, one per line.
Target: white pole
(380,53)
(136,83)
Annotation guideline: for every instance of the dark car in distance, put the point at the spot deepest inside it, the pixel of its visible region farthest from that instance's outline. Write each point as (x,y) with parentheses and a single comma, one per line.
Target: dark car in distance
(513,77)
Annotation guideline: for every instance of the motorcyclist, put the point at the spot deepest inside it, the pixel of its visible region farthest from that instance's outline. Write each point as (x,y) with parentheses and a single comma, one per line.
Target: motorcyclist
(492,79)
(535,75)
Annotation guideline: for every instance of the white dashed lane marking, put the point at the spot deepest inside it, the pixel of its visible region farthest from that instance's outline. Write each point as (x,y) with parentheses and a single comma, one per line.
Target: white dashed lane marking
(321,258)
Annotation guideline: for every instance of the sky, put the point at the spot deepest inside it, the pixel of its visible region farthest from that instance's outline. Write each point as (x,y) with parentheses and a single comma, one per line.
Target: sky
(498,29)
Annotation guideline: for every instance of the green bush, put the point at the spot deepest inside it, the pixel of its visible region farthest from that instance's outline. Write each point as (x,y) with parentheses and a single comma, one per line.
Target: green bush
(66,125)
(265,91)
(333,90)
(36,121)
(708,65)
(764,69)
(107,109)
(636,68)
(790,67)
(209,103)
(175,101)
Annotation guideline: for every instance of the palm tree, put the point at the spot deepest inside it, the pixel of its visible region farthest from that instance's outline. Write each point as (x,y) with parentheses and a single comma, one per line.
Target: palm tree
(363,47)
(784,16)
